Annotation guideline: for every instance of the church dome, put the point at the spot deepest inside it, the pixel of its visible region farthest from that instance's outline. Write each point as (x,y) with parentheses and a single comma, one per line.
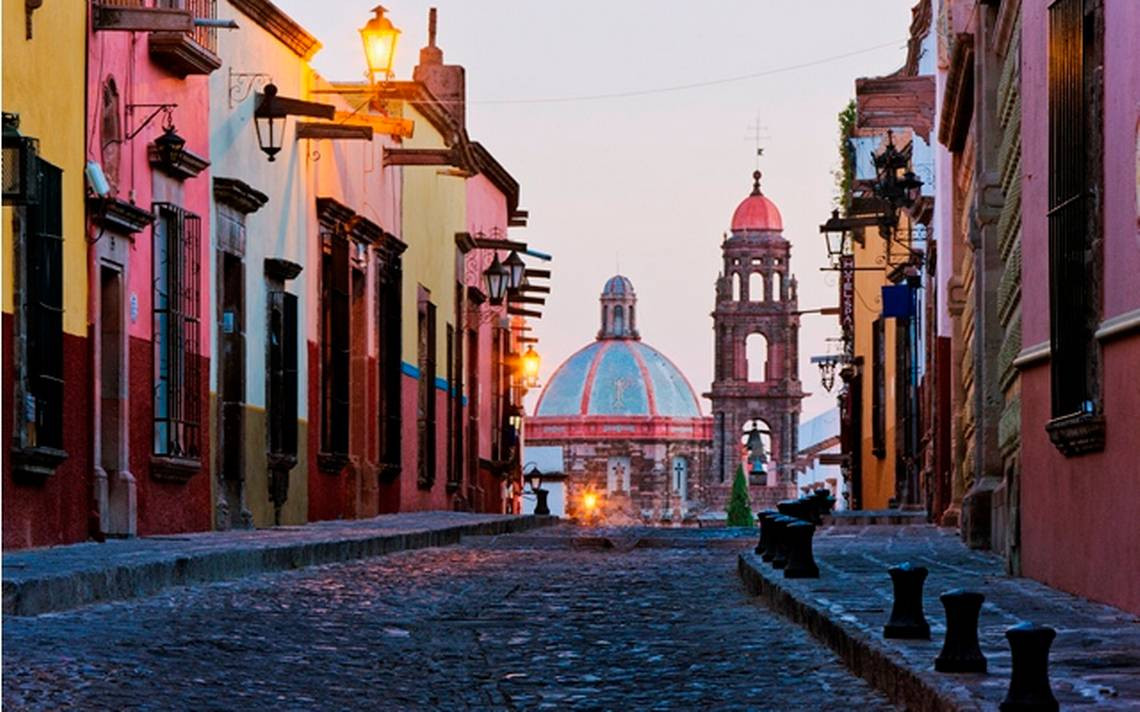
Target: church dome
(618,377)
(618,286)
(756,212)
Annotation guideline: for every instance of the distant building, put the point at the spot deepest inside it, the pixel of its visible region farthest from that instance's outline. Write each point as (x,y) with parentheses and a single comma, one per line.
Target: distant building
(628,422)
(818,462)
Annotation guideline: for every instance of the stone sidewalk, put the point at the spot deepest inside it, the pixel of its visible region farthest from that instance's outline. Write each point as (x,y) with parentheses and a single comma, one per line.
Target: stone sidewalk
(58,578)
(1094,662)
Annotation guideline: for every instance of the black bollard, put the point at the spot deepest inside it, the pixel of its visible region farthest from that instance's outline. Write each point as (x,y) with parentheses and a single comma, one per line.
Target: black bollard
(960,651)
(764,544)
(780,524)
(1029,681)
(810,509)
(826,501)
(801,562)
(907,620)
(770,537)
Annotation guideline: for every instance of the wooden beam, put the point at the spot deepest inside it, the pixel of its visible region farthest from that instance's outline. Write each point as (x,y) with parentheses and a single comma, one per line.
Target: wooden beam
(421,157)
(538,273)
(484,243)
(524,312)
(523,299)
(534,288)
(140,19)
(284,106)
(309,129)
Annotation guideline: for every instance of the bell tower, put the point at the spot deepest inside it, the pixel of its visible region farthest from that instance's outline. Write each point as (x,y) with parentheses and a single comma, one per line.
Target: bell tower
(756,379)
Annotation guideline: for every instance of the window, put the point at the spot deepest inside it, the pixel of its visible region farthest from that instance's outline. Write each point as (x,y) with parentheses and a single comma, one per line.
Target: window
(617,475)
(335,364)
(756,356)
(389,283)
(453,471)
(281,400)
(40,390)
(177,333)
(426,423)
(777,287)
(498,395)
(681,478)
(619,320)
(878,389)
(1074,175)
(755,287)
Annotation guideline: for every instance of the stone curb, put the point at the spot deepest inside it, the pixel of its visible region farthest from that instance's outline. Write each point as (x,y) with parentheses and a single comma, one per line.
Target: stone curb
(871,659)
(122,581)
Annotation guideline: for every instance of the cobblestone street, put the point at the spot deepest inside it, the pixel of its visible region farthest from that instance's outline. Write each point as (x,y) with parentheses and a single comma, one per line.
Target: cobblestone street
(514,622)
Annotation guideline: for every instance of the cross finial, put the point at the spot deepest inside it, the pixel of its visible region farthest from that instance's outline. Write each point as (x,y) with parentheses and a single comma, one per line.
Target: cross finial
(757,133)
(756,182)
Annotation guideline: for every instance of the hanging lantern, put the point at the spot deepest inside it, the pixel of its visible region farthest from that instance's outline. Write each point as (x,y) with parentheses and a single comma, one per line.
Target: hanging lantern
(496,278)
(530,363)
(20,175)
(380,37)
(169,145)
(269,123)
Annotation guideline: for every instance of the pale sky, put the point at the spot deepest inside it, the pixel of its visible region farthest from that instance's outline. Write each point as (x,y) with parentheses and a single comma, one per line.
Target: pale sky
(649,182)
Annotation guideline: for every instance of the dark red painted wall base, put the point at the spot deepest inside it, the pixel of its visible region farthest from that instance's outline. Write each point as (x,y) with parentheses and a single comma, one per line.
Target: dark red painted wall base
(56,511)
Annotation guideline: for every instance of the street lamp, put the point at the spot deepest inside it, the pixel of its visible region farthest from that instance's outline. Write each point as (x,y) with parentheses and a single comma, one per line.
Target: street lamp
(534,479)
(497,278)
(169,145)
(380,37)
(530,363)
(516,267)
(269,123)
(20,175)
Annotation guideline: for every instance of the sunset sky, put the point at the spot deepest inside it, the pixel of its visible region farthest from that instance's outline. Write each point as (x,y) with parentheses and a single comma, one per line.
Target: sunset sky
(646,182)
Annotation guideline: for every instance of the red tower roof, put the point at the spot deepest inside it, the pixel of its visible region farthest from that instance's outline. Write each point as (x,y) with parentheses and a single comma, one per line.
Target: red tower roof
(756,212)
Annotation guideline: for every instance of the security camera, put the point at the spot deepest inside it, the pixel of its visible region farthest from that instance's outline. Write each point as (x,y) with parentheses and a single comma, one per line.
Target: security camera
(97,180)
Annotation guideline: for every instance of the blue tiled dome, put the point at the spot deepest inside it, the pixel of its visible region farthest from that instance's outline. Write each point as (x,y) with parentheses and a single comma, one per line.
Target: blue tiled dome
(617,285)
(618,377)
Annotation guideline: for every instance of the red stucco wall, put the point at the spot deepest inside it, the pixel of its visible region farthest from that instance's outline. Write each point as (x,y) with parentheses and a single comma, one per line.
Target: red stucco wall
(1080,518)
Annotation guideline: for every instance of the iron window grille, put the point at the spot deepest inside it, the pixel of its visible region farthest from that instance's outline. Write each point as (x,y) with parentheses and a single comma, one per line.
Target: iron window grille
(335,344)
(177,332)
(878,389)
(1073,258)
(426,422)
(43,312)
(389,285)
(283,376)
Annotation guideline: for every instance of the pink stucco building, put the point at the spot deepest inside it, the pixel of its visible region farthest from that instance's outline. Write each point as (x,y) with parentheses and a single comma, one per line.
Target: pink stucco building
(1080,246)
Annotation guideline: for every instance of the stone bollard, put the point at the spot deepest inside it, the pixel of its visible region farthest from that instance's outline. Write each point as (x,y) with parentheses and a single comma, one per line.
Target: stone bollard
(960,651)
(801,562)
(780,524)
(826,501)
(763,546)
(770,537)
(811,509)
(1029,681)
(907,620)
(796,508)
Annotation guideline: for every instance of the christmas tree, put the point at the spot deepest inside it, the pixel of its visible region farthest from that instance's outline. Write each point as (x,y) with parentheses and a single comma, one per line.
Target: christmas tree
(739,509)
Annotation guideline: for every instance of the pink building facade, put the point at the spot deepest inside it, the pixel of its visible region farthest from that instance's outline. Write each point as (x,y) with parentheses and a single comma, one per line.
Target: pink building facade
(1080,499)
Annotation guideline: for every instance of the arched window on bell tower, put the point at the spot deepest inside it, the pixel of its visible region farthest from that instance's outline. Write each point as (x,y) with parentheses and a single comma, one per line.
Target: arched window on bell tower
(755,287)
(619,320)
(756,357)
(776,286)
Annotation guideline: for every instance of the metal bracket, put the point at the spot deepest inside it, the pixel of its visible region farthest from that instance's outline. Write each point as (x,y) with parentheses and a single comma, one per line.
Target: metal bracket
(242,84)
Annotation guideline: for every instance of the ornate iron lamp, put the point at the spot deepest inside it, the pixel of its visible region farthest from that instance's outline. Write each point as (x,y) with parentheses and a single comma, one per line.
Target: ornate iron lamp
(269,123)
(497,279)
(380,37)
(169,145)
(20,177)
(516,267)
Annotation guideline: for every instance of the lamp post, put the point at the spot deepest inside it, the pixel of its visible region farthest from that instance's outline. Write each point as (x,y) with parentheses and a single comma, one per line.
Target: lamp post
(530,363)
(269,123)
(534,479)
(497,279)
(380,37)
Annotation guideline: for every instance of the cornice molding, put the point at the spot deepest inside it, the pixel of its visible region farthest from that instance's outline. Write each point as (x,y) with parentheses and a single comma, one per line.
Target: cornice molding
(239,195)
(189,164)
(274,21)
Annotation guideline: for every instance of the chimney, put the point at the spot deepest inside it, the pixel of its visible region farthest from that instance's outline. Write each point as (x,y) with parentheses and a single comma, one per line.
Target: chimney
(447,82)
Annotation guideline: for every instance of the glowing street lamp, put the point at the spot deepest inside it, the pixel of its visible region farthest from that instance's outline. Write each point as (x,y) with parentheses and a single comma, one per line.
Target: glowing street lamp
(380,37)
(530,363)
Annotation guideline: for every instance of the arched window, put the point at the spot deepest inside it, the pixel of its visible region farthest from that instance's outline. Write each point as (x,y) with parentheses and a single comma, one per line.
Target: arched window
(756,356)
(605,318)
(776,286)
(736,286)
(632,320)
(619,320)
(755,287)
